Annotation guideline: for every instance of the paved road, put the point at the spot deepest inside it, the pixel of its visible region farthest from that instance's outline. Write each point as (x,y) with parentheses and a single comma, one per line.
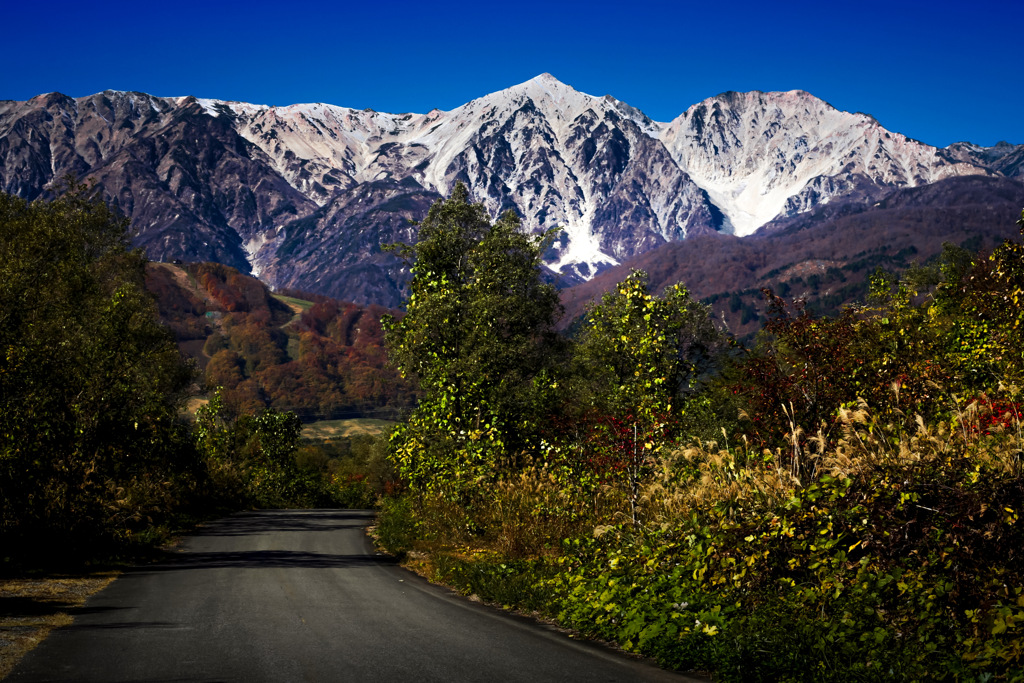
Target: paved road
(301,596)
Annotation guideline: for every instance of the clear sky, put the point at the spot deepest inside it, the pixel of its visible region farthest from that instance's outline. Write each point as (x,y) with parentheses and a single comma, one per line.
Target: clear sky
(936,71)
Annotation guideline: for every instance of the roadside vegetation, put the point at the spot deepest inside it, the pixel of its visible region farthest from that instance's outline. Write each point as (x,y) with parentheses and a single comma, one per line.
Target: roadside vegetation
(838,501)
(99,459)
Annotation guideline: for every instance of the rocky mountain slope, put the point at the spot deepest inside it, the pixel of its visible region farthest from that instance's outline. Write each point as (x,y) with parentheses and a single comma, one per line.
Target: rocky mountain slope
(192,186)
(302,196)
(824,256)
(1002,158)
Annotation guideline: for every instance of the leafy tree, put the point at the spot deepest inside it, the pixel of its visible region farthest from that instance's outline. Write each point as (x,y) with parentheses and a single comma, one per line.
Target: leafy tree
(90,383)
(983,298)
(251,459)
(478,331)
(641,357)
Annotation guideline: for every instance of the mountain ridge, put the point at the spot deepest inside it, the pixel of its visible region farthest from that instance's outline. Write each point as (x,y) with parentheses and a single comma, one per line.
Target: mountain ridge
(233,182)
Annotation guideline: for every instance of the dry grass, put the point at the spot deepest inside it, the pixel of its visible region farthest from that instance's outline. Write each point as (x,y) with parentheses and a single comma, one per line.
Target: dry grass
(866,443)
(522,517)
(733,477)
(529,513)
(31,608)
(722,474)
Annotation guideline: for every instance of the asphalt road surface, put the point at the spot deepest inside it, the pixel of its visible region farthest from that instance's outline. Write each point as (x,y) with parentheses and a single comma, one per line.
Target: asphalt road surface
(301,596)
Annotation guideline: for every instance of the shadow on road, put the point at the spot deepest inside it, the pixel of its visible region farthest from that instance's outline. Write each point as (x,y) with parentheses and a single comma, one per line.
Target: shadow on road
(271,522)
(117,625)
(20,606)
(263,559)
(248,523)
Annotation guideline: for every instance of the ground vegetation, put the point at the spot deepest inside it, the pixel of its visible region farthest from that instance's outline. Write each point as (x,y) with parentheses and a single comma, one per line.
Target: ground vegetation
(837,500)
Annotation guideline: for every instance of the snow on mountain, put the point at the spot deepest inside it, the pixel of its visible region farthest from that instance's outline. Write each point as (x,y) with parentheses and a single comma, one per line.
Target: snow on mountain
(321,149)
(561,157)
(514,148)
(734,162)
(255,185)
(544,98)
(762,155)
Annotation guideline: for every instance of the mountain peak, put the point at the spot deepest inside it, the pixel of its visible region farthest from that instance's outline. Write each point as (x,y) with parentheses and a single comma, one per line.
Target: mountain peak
(559,101)
(555,99)
(759,155)
(545,77)
(545,86)
(548,81)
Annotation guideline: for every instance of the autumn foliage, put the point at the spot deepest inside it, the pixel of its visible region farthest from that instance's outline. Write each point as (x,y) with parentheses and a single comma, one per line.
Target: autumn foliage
(324,359)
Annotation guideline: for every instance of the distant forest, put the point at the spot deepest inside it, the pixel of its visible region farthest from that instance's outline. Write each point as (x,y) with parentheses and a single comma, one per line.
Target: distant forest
(308,354)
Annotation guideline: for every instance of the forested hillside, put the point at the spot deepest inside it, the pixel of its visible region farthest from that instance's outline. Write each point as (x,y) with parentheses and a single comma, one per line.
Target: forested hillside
(839,500)
(308,354)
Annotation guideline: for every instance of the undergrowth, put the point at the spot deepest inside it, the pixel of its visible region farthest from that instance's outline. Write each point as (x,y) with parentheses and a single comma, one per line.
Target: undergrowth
(838,502)
(899,559)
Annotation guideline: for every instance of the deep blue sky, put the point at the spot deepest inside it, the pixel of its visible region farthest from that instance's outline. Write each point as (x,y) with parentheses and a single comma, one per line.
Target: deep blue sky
(936,71)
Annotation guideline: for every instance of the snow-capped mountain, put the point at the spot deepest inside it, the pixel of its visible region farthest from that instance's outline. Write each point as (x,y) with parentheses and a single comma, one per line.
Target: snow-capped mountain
(762,155)
(303,195)
(555,155)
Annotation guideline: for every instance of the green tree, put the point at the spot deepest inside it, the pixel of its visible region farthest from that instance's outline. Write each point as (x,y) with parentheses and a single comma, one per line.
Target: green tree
(477,333)
(984,299)
(90,436)
(641,357)
(251,459)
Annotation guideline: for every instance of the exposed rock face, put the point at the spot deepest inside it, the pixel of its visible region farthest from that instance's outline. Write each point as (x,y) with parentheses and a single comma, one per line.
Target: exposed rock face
(193,187)
(303,195)
(761,155)
(337,249)
(1002,158)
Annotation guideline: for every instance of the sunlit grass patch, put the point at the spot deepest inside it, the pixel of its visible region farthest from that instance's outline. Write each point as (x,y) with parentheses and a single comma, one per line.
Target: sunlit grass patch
(293,303)
(31,608)
(326,430)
